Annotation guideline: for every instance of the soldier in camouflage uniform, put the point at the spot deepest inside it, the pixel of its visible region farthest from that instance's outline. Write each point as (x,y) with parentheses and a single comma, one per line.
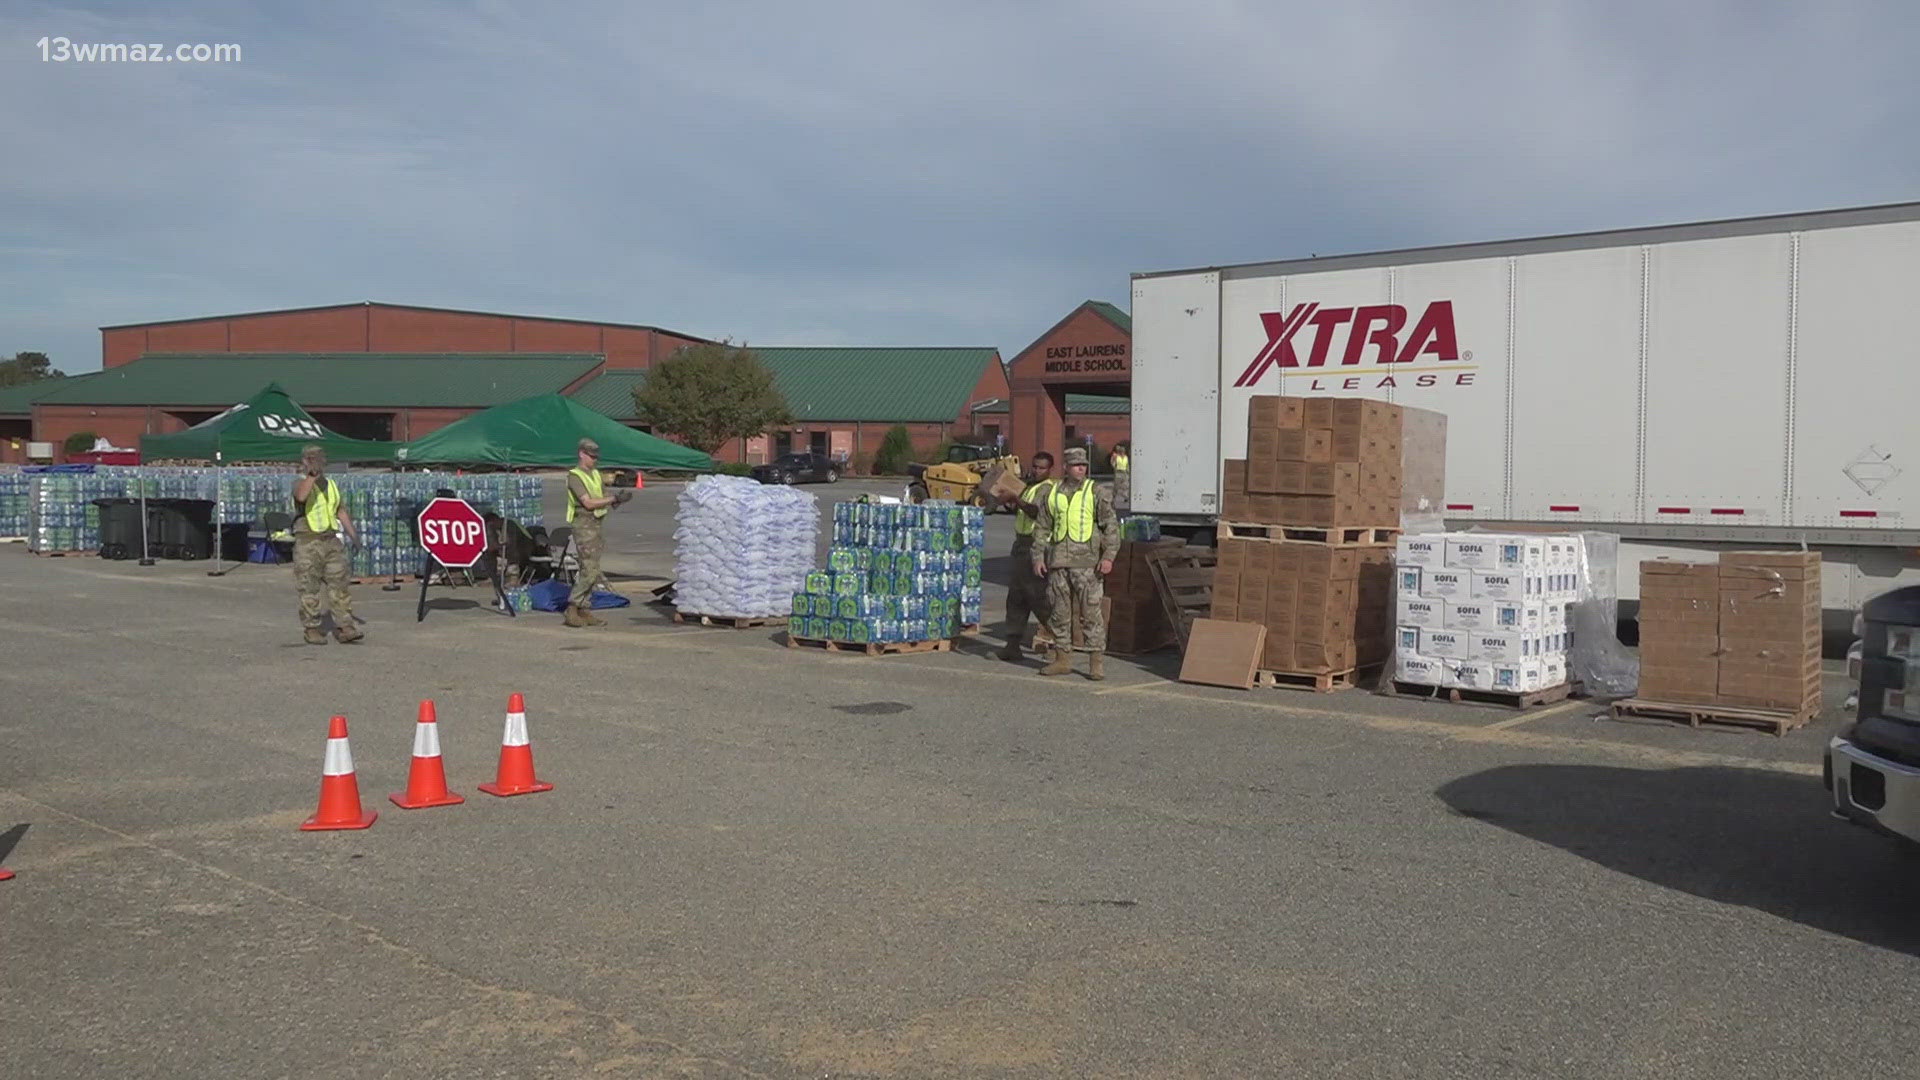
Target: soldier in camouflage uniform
(319,558)
(587,506)
(1027,592)
(1076,537)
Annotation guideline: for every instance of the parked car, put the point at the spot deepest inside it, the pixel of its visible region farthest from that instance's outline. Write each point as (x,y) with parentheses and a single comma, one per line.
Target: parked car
(798,469)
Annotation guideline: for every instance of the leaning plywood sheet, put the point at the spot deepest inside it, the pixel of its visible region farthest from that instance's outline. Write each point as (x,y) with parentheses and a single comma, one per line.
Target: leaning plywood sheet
(1221,653)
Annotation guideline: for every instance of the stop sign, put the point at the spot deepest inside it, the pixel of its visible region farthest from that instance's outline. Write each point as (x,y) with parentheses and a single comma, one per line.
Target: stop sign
(453,532)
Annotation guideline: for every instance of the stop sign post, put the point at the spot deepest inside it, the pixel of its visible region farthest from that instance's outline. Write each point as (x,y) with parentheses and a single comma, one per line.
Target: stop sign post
(454,536)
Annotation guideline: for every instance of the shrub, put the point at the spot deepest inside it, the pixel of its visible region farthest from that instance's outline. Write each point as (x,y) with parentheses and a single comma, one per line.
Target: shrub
(896,450)
(80,442)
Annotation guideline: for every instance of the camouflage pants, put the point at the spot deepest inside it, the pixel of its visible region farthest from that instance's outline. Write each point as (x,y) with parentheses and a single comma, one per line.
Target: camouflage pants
(1026,593)
(1122,493)
(589,539)
(320,574)
(1071,586)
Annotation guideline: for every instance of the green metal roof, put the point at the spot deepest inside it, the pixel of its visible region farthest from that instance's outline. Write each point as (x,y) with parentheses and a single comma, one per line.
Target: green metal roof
(610,393)
(1077,405)
(908,385)
(331,380)
(1113,314)
(18,400)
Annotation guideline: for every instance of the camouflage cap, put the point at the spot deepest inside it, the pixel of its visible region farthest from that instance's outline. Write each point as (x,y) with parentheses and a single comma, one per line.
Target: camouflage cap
(1076,456)
(588,446)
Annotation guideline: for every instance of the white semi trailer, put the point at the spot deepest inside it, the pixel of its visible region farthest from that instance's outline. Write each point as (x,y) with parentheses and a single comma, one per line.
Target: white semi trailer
(1691,387)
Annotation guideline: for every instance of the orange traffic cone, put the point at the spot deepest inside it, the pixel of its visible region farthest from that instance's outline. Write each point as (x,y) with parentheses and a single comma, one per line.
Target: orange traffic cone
(339,787)
(516,756)
(427,779)
(5,874)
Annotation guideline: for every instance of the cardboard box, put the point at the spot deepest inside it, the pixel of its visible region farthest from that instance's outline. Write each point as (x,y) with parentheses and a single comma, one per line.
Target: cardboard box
(1439,584)
(1001,483)
(1309,444)
(1236,506)
(1332,478)
(1421,670)
(1424,550)
(1317,412)
(1471,674)
(1469,615)
(1263,476)
(1406,580)
(1234,475)
(1524,677)
(1263,411)
(1771,565)
(1263,445)
(1507,585)
(1442,644)
(1507,646)
(1269,509)
(1426,614)
(1324,656)
(1230,557)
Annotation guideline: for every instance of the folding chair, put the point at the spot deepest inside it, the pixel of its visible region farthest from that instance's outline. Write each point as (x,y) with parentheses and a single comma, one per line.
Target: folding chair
(561,561)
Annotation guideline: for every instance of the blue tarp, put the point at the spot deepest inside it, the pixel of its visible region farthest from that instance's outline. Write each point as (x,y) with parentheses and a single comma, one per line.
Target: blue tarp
(551,595)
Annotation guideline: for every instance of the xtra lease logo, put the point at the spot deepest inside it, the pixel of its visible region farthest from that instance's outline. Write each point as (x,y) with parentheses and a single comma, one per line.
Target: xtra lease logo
(1373,334)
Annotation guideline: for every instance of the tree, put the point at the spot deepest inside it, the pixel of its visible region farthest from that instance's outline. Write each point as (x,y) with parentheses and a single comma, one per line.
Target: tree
(80,442)
(710,394)
(26,367)
(896,450)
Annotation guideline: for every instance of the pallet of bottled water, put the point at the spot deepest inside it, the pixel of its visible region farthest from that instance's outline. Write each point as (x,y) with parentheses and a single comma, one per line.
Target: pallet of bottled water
(16,496)
(895,573)
(742,548)
(1140,527)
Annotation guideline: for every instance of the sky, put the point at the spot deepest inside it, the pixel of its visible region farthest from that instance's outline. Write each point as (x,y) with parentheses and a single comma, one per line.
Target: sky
(886,173)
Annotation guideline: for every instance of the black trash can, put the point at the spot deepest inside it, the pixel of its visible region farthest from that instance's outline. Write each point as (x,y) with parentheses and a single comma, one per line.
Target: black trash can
(184,528)
(119,528)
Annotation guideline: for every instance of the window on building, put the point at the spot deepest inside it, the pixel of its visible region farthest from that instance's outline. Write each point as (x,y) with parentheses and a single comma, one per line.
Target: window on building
(990,432)
(782,443)
(817,442)
(1069,432)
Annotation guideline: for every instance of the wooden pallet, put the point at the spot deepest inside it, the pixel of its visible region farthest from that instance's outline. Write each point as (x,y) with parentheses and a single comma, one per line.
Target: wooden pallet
(1319,682)
(1310,534)
(873,648)
(1183,578)
(68,554)
(1777,721)
(729,621)
(1509,698)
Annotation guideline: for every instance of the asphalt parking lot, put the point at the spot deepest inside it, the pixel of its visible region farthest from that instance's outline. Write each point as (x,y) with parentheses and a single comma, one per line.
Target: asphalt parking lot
(760,861)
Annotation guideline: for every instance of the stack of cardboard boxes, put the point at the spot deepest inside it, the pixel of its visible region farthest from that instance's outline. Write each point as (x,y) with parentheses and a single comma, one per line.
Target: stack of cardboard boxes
(1743,632)
(1318,463)
(1322,464)
(1325,606)
(1137,620)
(1484,611)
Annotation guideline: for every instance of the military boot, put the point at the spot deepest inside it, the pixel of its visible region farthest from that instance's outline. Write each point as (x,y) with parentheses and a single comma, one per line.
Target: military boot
(1013,653)
(1096,666)
(316,636)
(573,616)
(348,634)
(1062,663)
(586,613)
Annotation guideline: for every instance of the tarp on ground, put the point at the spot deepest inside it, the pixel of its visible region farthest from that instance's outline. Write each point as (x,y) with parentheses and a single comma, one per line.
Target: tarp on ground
(270,426)
(543,431)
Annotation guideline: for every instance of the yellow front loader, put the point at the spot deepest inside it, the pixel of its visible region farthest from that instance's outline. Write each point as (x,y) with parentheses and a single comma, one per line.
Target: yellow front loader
(958,477)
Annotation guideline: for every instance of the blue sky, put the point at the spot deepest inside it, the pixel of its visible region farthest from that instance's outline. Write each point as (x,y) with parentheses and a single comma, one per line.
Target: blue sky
(887,173)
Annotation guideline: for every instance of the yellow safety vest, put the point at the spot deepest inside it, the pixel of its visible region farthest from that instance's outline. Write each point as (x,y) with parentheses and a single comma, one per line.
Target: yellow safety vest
(1023,524)
(1072,514)
(1120,461)
(323,507)
(591,480)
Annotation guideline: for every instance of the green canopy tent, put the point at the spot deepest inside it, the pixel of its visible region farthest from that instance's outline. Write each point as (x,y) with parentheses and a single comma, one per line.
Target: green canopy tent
(543,431)
(270,426)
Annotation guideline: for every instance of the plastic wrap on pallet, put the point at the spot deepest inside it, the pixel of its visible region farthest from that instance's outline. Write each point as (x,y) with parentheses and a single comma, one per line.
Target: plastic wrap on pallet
(742,548)
(895,573)
(1597,661)
(1480,610)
